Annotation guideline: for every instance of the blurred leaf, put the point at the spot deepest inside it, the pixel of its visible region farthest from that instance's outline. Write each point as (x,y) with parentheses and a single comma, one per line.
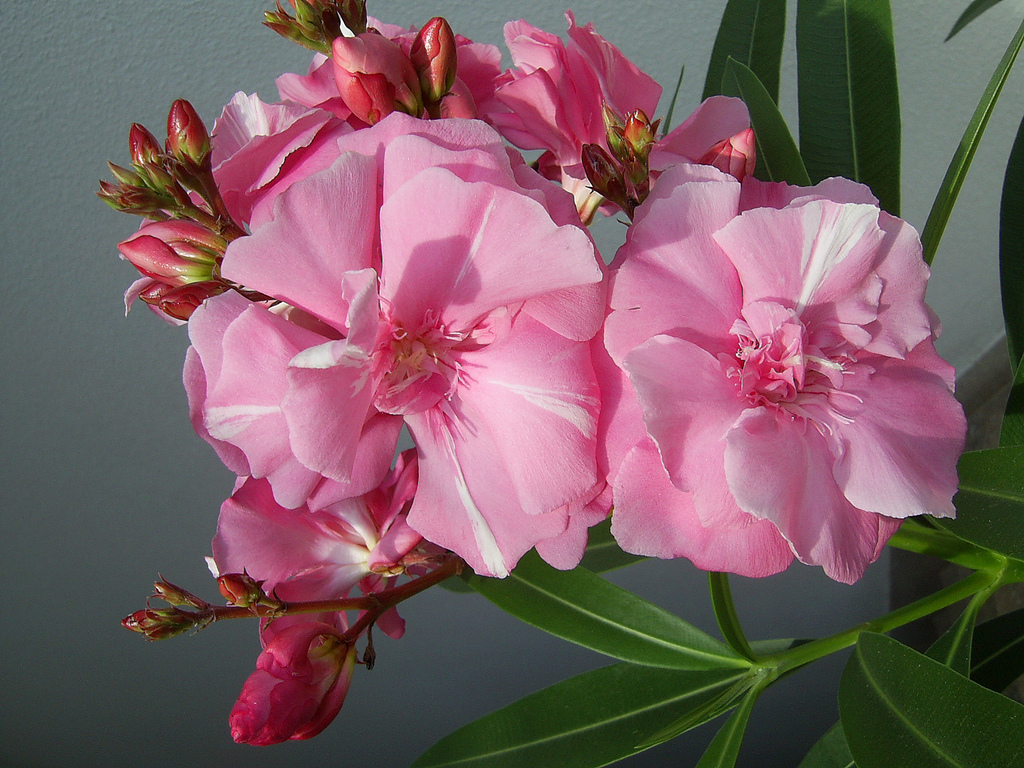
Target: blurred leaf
(1011,284)
(752,32)
(586,721)
(974,10)
(1012,430)
(603,552)
(831,751)
(990,502)
(583,608)
(945,198)
(848,94)
(725,747)
(998,658)
(778,158)
(666,124)
(897,702)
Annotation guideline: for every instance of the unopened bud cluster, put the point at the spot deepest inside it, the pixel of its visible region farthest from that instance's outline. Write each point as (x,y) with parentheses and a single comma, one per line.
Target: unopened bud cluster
(244,591)
(317,23)
(622,175)
(375,76)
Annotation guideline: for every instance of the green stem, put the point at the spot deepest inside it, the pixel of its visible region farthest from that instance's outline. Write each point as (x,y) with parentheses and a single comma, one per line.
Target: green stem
(725,613)
(804,654)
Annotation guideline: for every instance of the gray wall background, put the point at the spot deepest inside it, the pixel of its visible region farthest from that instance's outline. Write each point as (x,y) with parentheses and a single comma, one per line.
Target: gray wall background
(104,484)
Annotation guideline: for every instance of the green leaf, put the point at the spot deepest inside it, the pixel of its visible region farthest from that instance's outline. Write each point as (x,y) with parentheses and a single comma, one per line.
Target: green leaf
(945,198)
(725,747)
(586,721)
(974,10)
(953,649)
(666,124)
(848,94)
(998,658)
(583,608)
(897,703)
(603,552)
(990,502)
(1012,430)
(752,32)
(778,158)
(709,710)
(831,751)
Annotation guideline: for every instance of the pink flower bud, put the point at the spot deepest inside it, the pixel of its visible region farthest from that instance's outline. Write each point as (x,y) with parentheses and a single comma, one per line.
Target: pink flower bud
(180,301)
(300,683)
(736,155)
(175,595)
(375,77)
(639,133)
(435,59)
(159,623)
(458,102)
(240,589)
(187,137)
(145,149)
(174,252)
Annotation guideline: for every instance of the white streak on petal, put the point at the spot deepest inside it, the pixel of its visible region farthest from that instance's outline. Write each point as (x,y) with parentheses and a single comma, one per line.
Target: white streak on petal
(475,246)
(224,422)
(558,403)
(485,540)
(828,242)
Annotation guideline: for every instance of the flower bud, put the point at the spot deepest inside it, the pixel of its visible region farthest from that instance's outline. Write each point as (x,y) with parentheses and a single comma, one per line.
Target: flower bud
(175,595)
(435,59)
(145,149)
(736,155)
(639,133)
(187,137)
(174,252)
(299,686)
(375,77)
(181,301)
(240,589)
(160,623)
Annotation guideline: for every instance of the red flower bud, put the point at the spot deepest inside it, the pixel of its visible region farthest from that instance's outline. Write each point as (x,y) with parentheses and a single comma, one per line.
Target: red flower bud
(375,77)
(435,58)
(160,623)
(145,148)
(174,252)
(736,155)
(181,301)
(241,589)
(187,137)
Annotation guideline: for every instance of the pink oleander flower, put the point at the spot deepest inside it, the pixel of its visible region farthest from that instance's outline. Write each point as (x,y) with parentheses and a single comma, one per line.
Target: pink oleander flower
(788,396)
(552,99)
(718,133)
(426,278)
(324,548)
(298,688)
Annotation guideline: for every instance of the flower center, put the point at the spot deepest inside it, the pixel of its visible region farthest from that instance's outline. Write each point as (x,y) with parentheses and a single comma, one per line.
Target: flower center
(415,366)
(776,365)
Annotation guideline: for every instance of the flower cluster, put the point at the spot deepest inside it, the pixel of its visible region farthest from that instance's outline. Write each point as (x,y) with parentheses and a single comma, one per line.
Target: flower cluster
(753,380)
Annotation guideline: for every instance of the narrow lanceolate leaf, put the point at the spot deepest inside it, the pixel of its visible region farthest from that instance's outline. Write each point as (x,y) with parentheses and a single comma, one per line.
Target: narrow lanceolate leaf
(848,94)
(778,158)
(666,124)
(1011,284)
(990,502)
(1012,431)
(752,32)
(586,721)
(998,658)
(725,747)
(831,751)
(945,198)
(953,649)
(603,552)
(974,10)
(583,608)
(900,707)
